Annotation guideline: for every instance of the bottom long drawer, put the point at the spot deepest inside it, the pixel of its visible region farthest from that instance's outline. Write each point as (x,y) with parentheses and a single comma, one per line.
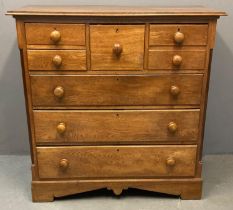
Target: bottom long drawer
(116,161)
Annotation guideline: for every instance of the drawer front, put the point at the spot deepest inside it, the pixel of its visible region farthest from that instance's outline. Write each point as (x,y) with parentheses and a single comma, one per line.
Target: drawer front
(161,34)
(116,126)
(116,161)
(117,47)
(55,34)
(117,90)
(56,59)
(177,59)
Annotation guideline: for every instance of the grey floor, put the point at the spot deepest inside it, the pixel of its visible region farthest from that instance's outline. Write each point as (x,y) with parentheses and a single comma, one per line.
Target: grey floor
(217,193)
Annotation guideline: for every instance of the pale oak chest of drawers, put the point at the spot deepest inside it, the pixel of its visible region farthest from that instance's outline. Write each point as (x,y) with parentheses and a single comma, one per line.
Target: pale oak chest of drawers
(116,97)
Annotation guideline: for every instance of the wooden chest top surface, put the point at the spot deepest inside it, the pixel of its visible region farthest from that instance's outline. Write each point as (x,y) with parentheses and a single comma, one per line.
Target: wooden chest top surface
(116,11)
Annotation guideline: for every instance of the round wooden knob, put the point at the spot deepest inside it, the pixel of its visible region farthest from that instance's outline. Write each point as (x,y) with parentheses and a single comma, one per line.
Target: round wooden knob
(178,37)
(177,60)
(171,161)
(174,90)
(117,49)
(55,36)
(59,92)
(172,127)
(61,128)
(57,60)
(64,164)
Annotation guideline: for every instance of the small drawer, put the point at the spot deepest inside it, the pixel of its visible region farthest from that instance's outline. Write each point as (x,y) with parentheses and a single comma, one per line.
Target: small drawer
(178,34)
(166,59)
(116,161)
(56,59)
(116,90)
(117,47)
(135,126)
(55,34)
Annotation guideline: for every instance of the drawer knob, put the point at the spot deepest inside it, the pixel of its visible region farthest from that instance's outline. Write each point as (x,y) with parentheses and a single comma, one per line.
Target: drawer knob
(64,164)
(59,91)
(61,128)
(177,60)
(55,36)
(171,161)
(57,60)
(174,90)
(172,127)
(179,37)
(117,49)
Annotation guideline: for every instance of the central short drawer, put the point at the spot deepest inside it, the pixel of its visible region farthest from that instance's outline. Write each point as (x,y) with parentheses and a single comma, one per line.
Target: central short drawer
(116,161)
(117,47)
(116,90)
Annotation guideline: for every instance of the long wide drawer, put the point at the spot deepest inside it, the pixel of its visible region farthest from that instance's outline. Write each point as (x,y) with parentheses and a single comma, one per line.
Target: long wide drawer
(135,126)
(116,90)
(116,161)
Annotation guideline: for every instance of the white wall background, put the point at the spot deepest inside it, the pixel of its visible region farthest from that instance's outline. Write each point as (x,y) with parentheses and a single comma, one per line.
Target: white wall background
(219,122)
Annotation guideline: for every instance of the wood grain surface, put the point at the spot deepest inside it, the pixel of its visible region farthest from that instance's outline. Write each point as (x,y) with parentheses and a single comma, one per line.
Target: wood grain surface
(116,126)
(163,34)
(101,10)
(102,40)
(116,161)
(186,188)
(43,60)
(192,59)
(39,33)
(116,90)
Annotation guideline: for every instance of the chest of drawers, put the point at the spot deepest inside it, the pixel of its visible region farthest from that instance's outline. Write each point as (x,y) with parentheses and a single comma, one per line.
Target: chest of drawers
(115,97)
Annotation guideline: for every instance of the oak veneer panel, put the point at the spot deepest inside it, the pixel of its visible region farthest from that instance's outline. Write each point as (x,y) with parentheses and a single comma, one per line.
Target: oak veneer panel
(130,38)
(100,90)
(39,33)
(191,59)
(116,126)
(43,59)
(163,34)
(116,161)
